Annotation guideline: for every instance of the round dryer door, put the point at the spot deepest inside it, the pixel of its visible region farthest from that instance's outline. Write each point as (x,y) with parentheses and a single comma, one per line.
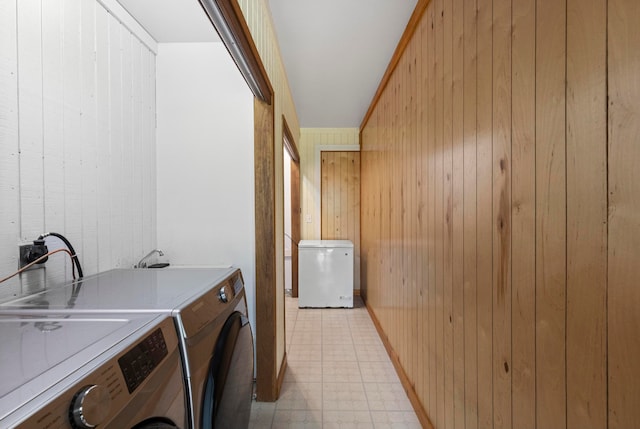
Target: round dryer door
(229,385)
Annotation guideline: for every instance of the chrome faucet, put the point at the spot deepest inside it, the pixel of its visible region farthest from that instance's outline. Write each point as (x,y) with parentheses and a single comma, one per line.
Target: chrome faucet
(142,263)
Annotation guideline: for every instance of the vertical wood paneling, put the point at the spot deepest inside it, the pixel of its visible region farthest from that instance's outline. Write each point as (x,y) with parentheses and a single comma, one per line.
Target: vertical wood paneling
(525,213)
(340,196)
(501,147)
(484,182)
(139,152)
(30,98)
(116,109)
(354,218)
(447,200)
(70,80)
(412,255)
(457,226)
(624,205)
(129,252)
(422,384)
(586,214)
(31,130)
(9,145)
(149,237)
(550,214)
(438,156)
(431,258)
(89,182)
(103,143)
(71,125)
(470,211)
(421,279)
(53,127)
(523,210)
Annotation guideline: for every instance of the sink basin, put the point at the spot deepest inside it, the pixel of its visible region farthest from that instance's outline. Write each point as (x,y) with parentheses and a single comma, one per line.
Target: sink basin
(158,265)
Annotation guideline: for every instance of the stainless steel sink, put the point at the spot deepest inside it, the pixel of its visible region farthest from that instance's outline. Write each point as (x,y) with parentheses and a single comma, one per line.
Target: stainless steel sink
(158,265)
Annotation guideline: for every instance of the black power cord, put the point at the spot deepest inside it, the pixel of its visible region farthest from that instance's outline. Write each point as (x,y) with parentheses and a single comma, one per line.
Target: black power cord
(74,256)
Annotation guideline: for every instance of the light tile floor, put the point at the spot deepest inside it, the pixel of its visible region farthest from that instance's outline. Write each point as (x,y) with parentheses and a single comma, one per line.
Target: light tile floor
(338,375)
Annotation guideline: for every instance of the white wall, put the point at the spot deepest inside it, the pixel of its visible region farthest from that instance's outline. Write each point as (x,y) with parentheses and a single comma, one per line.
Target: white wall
(205,160)
(77,133)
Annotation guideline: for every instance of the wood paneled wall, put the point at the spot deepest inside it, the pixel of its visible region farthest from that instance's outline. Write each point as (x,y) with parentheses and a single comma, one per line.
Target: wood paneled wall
(77,136)
(311,141)
(500,213)
(340,202)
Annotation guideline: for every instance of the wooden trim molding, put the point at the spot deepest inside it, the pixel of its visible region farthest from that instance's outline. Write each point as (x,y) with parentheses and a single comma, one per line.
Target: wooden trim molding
(265,219)
(411,27)
(404,379)
(241,35)
(295,224)
(289,141)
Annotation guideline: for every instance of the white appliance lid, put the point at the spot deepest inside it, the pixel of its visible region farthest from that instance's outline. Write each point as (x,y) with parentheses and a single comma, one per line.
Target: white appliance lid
(38,351)
(325,243)
(125,290)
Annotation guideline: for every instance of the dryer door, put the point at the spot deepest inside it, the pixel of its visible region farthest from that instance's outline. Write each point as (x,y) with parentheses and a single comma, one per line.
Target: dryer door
(156,423)
(229,385)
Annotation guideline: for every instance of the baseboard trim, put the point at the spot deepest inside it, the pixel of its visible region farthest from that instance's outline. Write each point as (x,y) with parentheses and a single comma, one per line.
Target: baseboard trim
(404,379)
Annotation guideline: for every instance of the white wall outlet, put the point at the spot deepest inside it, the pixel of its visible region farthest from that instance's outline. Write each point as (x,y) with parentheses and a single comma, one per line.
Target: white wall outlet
(307,218)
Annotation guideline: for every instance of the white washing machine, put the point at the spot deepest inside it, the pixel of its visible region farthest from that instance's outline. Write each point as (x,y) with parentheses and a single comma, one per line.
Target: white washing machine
(84,371)
(208,306)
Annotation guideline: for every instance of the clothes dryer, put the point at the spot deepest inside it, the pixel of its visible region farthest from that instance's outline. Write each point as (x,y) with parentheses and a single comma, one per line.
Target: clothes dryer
(208,306)
(83,371)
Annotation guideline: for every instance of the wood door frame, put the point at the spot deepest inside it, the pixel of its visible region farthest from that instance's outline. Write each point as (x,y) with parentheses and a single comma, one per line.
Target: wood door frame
(318,167)
(267,382)
(265,283)
(290,146)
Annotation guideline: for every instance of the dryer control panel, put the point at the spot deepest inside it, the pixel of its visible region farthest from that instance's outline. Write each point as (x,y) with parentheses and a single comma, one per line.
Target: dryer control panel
(100,398)
(140,361)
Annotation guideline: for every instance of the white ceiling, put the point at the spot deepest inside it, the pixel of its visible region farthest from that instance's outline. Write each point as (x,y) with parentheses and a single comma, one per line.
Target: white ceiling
(172,20)
(335,52)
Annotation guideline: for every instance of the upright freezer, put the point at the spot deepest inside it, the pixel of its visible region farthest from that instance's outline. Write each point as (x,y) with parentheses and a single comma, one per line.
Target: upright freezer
(325,273)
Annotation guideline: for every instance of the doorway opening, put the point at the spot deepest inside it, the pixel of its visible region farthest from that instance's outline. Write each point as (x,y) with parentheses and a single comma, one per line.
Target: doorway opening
(288,240)
(292,210)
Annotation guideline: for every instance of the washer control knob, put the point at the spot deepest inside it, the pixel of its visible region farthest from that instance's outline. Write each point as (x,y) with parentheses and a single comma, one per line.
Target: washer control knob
(222,294)
(90,407)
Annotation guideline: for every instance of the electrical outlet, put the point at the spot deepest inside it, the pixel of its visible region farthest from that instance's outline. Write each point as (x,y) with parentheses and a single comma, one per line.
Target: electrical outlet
(29,253)
(23,256)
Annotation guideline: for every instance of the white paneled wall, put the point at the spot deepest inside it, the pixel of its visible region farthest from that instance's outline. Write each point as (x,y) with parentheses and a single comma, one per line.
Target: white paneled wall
(77,136)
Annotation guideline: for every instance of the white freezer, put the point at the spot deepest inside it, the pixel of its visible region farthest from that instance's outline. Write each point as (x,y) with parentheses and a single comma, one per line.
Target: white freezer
(325,273)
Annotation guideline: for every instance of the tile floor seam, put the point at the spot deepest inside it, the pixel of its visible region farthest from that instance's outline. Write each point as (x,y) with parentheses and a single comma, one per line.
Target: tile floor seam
(361,377)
